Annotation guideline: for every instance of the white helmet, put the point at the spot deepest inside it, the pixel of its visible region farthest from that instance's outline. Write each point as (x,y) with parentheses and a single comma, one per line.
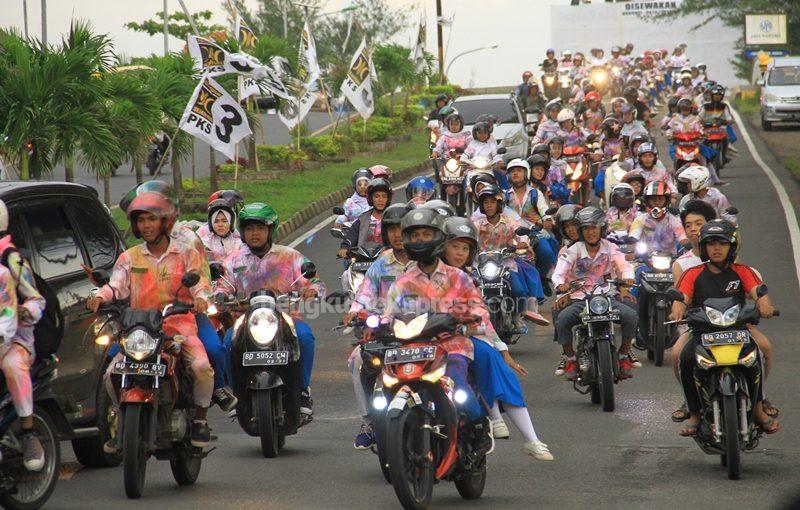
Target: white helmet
(565,115)
(520,163)
(3,217)
(566,53)
(696,176)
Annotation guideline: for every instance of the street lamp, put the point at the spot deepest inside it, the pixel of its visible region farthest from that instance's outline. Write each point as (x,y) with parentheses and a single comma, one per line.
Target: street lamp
(493,46)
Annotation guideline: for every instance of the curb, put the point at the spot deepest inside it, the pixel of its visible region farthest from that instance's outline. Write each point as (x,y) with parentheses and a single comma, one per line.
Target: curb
(755,130)
(300,218)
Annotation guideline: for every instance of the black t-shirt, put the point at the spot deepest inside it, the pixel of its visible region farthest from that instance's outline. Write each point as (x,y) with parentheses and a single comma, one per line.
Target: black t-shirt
(641,108)
(700,283)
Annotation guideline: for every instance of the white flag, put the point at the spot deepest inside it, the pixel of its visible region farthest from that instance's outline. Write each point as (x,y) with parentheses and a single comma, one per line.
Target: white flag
(357,85)
(291,113)
(248,87)
(309,66)
(210,59)
(419,48)
(215,117)
(245,35)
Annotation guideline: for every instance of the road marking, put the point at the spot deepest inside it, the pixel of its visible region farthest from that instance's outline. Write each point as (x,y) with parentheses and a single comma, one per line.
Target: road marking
(788,208)
(319,226)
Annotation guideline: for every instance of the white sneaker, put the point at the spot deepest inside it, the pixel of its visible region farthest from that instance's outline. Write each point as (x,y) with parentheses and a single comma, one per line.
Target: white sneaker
(538,450)
(499,429)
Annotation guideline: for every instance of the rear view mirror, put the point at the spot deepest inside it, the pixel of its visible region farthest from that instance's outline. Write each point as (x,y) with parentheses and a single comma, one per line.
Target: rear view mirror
(762,290)
(309,270)
(522,231)
(760,82)
(189,280)
(217,270)
(502,150)
(674,294)
(338,210)
(100,277)
(732,210)
(337,233)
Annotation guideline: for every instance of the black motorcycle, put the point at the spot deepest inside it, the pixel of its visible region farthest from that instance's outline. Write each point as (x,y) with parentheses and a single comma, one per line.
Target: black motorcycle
(359,258)
(653,287)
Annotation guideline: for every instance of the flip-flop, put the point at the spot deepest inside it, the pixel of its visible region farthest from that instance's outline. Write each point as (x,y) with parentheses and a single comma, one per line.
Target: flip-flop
(689,430)
(770,409)
(767,426)
(681,414)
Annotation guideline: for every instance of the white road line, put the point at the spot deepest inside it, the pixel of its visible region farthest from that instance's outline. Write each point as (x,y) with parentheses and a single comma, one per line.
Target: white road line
(319,226)
(788,208)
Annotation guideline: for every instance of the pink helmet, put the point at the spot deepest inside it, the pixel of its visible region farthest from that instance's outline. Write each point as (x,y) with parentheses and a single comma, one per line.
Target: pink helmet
(381,171)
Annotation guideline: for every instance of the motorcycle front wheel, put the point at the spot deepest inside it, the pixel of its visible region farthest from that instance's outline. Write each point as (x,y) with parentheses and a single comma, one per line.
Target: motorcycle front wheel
(733,452)
(661,337)
(605,375)
(134,450)
(379,426)
(266,423)
(409,447)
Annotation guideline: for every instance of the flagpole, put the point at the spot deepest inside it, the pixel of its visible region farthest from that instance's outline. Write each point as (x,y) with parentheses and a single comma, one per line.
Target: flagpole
(364,131)
(251,101)
(236,165)
(170,151)
(327,103)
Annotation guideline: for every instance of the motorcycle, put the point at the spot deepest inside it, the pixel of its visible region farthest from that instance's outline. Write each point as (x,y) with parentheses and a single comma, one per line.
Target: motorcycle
(265,362)
(578,173)
(427,439)
(474,166)
(451,174)
(717,138)
(614,175)
(728,361)
(599,77)
(550,84)
(564,85)
(159,148)
(360,258)
(617,81)
(155,392)
(687,148)
(492,279)
(653,287)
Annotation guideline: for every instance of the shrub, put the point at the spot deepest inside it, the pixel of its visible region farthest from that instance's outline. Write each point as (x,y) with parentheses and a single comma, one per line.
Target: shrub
(272,155)
(230,168)
(435,90)
(320,148)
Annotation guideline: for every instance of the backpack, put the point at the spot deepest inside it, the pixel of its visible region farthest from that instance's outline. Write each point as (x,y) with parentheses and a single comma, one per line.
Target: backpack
(49,330)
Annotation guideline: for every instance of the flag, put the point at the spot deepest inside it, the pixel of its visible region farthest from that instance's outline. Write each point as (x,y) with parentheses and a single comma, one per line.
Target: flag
(244,34)
(291,112)
(210,59)
(215,117)
(309,66)
(419,48)
(357,85)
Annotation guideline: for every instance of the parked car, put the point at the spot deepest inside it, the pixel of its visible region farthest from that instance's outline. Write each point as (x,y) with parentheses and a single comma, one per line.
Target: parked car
(780,92)
(59,226)
(509,130)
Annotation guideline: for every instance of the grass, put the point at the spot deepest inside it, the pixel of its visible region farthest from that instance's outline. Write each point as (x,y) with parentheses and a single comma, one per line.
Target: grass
(296,190)
(793,165)
(747,105)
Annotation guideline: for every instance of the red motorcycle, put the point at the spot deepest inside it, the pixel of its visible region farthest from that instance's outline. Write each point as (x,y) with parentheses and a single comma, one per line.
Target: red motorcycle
(578,173)
(687,148)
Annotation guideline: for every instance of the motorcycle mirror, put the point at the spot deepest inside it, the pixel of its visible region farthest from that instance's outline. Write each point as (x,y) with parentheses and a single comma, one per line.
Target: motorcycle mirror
(522,231)
(502,150)
(217,270)
(309,270)
(100,277)
(336,298)
(338,210)
(337,233)
(674,294)
(551,211)
(189,280)
(762,290)
(732,210)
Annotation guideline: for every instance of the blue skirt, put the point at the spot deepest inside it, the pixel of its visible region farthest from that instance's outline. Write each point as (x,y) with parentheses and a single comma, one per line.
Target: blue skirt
(494,378)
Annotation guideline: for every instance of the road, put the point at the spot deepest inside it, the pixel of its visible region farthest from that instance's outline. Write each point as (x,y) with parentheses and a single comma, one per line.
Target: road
(632,458)
(274,133)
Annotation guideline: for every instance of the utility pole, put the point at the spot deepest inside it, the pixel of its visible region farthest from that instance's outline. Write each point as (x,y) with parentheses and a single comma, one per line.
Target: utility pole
(25,16)
(44,23)
(166,29)
(439,40)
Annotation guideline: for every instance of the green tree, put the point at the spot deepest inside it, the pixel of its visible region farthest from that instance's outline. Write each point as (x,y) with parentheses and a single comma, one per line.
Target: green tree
(395,70)
(177,24)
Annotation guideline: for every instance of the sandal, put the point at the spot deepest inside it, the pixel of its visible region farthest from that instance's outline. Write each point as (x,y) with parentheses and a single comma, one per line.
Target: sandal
(681,414)
(690,429)
(770,409)
(770,426)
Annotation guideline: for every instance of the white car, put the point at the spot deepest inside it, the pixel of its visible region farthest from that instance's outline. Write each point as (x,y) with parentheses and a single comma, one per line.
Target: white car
(509,130)
(780,92)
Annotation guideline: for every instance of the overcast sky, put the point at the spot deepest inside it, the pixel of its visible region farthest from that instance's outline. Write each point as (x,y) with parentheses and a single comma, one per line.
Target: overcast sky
(520,27)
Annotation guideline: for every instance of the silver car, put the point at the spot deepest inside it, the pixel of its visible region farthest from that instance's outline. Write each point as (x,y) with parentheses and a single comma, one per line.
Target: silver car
(509,130)
(780,92)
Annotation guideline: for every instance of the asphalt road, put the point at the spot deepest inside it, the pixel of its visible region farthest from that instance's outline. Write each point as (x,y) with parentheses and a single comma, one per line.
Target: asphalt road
(632,458)
(274,133)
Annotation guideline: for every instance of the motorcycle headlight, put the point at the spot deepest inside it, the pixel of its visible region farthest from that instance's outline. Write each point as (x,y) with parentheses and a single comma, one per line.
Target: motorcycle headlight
(389,380)
(549,81)
(106,333)
(451,165)
(718,318)
(435,375)
(405,331)
(599,305)
(433,137)
(480,162)
(490,270)
(641,248)
(600,77)
(704,362)
(660,262)
(139,344)
(263,325)
(212,310)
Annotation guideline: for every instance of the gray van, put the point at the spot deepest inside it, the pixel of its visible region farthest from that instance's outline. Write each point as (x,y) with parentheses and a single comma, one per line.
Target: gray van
(780,92)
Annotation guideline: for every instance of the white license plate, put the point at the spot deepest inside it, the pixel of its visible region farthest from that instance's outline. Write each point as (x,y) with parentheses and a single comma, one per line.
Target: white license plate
(265,358)
(409,354)
(361,267)
(725,338)
(609,317)
(150,369)
(658,277)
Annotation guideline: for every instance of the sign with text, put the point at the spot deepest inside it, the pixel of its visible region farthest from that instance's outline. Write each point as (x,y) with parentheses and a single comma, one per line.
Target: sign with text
(764,29)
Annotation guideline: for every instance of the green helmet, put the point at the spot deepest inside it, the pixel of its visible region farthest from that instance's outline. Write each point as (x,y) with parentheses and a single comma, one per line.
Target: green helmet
(259,212)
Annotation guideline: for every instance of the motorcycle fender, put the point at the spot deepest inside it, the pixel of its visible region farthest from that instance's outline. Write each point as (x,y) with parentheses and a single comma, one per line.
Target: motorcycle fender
(264,381)
(661,304)
(727,383)
(137,396)
(397,404)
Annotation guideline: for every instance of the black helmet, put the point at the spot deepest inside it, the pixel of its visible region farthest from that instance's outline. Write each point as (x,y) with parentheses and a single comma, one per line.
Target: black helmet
(454,116)
(538,160)
(564,215)
(685,102)
(426,251)
(612,126)
(555,139)
(482,177)
(481,125)
(376,185)
(462,228)
(541,148)
(718,89)
(672,102)
(622,196)
(440,206)
(591,217)
(493,192)
(637,139)
(440,97)
(719,229)
(361,173)
(392,215)
(630,92)
(221,205)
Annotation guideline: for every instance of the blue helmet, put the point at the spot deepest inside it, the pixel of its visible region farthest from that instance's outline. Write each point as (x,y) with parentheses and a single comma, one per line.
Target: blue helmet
(420,187)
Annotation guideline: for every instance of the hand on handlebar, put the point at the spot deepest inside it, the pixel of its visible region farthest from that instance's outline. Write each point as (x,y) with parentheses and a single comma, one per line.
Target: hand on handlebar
(94,303)
(200,305)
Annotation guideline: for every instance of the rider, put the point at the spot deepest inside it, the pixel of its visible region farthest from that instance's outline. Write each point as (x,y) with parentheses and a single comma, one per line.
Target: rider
(263,265)
(651,168)
(550,63)
(367,227)
(547,129)
(566,59)
(439,103)
(593,259)
(686,89)
(419,190)
(718,110)
(611,145)
(594,113)
(697,178)
(533,99)
(597,57)
(483,145)
(453,138)
(149,274)
(630,124)
(219,234)
(622,209)
(631,95)
(659,229)
(636,181)
(522,89)
(719,276)
(572,134)
(357,204)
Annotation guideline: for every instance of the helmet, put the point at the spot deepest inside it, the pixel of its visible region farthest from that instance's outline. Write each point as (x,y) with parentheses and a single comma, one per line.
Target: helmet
(521,163)
(537,160)
(463,229)
(618,100)
(3,217)
(718,89)
(485,178)
(441,97)
(646,147)
(622,196)
(379,184)
(392,215)
(491,192)
(361,173)
(440,206)
(145,187)
(425,251)
(685,102)
(422,187)
(566,53)
(155,203)
(719,229)
(591,217)
(526,75)
(647,53)
(234,198)
(685,75)
(549,51)
(564,215)
(540,148)
(258,212)
(489,119)
(612,126)
(455,116)
(633,175)
(555,139)
(446,110)
(553,105)
(672,102)
(630,92)
(592,96)
(638,138)
(701,65)
(696,176)
(480,126)
(381,171)
(565,115)
(616,49)
(656,189)
(221,205)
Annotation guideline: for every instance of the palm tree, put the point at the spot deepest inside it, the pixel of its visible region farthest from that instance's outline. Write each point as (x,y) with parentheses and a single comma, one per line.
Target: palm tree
(395,69)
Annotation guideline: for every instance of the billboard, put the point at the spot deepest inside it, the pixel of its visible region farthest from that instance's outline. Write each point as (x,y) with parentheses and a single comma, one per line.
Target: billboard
(764,29)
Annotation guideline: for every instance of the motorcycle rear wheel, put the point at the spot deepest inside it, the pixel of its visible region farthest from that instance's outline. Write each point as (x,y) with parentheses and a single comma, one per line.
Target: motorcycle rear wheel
(733,452)
(266,423)
(185,470)
(472,485)
(605,376)
(134,450)
(660,337)
(412,481)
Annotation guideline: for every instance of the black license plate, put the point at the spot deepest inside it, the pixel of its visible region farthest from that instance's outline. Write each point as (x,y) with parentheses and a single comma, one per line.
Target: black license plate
(658,277)
(150,369)
(609,317)
(725,338)
(360,266)
(409,354)
(265,358)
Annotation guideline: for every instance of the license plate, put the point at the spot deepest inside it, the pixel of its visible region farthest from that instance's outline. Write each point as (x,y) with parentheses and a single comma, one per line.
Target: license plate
(150,369)
(360,266)
(658,277)
(451,180)
(409,354)
(725,338)
(265,358)
(609,317)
